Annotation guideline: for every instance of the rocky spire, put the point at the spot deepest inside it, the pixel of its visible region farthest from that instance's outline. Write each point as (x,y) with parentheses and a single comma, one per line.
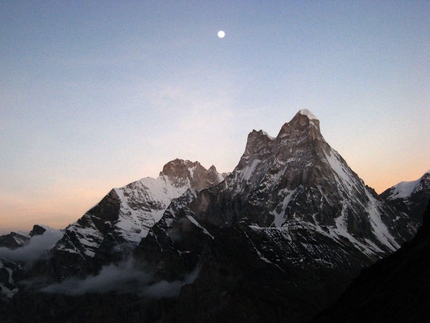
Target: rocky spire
(303,124)
(294,177)
(184,172)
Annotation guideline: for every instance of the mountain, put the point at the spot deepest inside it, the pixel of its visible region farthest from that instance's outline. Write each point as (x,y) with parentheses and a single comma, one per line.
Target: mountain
(278,239)
(410,197)
(298,178)
(124,216)
(395,289)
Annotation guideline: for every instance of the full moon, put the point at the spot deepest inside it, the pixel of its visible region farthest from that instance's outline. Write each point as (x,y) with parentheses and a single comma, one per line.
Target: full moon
(221,34)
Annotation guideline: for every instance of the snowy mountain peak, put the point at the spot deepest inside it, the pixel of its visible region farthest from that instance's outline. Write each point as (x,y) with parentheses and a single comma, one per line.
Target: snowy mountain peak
(127,213)
(298,178)
(187,173)
(406,189)
(309,114)
(179,171)
(301,126)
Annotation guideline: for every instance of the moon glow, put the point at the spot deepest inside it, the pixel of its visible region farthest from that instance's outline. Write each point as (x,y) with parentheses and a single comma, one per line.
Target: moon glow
(221,34)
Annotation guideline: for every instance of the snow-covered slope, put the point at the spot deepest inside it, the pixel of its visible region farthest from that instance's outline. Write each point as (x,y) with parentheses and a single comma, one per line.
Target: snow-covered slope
(406,189)
(127,213)
(410,197)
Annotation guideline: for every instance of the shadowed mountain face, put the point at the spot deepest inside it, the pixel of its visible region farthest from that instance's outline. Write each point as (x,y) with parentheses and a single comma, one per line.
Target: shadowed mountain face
(277,240)
(395,289)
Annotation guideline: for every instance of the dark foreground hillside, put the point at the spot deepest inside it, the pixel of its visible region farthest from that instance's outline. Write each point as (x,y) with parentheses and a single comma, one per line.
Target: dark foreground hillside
(395,289)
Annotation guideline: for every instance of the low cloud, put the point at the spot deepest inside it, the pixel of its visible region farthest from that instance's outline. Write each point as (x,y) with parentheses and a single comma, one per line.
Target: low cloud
(122,278)
(125,277)
(169,289)
(37,246)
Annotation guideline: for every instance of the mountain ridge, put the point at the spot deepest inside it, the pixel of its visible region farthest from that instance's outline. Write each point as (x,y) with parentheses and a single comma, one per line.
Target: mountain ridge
(279,237)
(297,162)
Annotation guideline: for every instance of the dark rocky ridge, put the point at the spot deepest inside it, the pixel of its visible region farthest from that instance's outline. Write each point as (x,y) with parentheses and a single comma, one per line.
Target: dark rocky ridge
(14,240)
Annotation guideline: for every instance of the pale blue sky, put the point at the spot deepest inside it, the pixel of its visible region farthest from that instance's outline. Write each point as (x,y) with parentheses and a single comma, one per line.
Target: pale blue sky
(97,94)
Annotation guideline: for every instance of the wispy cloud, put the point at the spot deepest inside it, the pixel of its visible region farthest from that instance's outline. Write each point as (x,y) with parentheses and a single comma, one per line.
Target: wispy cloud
(124,277)
(35,249)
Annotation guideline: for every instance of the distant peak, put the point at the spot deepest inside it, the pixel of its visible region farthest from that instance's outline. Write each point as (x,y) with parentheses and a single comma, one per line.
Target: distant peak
(309,114)
(212,169)
(303,123)
(179,167)
(38,230)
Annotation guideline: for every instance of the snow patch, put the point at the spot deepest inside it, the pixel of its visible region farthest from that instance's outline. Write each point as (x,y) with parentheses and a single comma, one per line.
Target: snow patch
(280,216)
(309,114)
(343,174)
(197,224)
(249,170)
(136,220)
(404,189)
(267,135)
(379,228)
(6,292)
(342,231)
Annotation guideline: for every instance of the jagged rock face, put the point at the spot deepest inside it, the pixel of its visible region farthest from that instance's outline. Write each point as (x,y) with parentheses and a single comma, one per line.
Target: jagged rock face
(249,274)
(15,240)
(298,178)
(410,197)
(192,174)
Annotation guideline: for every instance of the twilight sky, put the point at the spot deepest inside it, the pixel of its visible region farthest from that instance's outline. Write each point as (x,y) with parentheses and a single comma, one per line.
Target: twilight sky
(97,94)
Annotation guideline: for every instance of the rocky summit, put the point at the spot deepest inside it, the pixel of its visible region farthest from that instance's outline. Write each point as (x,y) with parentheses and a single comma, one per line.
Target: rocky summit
(276,240)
